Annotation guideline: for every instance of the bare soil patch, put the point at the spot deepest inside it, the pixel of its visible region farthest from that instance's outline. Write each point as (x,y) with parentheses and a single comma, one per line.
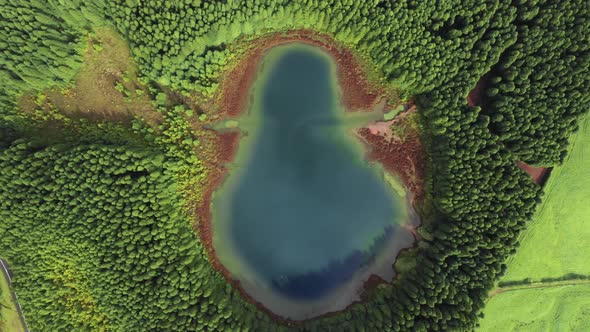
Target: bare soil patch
(538,174)
(397,146)
(106,88)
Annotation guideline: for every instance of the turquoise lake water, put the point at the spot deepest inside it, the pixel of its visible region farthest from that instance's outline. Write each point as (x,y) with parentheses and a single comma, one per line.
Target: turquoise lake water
(303,216)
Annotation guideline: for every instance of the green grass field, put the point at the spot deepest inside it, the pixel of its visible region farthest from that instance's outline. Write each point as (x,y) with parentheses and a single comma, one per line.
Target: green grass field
(555,308)
(555,246)
(9,319)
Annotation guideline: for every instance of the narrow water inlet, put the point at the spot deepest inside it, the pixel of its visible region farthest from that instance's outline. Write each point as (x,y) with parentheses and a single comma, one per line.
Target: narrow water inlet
(303,219)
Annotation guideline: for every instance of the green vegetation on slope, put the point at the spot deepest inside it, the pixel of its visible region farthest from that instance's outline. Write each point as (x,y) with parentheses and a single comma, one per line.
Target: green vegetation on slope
(41,43)
(416,45)
(561,308)
(558,240)
(540,86)
(9,317)
(96,231)
(106,85)
(554,247)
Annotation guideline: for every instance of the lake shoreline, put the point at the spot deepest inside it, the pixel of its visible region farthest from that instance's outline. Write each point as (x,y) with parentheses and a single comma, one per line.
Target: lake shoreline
(358,95)
(401,155)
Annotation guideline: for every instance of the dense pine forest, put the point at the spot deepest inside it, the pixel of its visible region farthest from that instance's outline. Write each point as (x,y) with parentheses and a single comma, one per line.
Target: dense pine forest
(96,218)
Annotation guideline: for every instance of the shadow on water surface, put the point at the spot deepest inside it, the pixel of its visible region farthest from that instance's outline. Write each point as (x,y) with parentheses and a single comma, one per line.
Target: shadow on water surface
(315,284)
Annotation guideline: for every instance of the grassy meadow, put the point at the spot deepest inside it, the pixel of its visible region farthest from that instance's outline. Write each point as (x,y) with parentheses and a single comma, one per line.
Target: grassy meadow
(9,319)
(551,266)
(559,308)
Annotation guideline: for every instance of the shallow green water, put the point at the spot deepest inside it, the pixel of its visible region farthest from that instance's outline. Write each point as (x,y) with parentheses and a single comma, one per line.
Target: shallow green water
(302,214)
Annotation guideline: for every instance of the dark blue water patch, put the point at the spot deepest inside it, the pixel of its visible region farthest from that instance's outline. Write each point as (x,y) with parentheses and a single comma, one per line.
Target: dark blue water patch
(317,284)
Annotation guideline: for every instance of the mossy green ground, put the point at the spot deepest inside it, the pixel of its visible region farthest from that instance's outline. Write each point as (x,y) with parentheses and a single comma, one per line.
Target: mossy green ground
(555,246)
(9,319)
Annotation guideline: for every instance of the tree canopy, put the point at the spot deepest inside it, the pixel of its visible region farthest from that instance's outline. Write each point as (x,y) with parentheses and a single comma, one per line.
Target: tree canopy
(95,224)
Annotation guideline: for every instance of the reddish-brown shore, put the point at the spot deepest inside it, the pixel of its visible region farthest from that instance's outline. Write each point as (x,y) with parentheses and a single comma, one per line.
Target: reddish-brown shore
(358,94)
(399,150)
(402,157)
